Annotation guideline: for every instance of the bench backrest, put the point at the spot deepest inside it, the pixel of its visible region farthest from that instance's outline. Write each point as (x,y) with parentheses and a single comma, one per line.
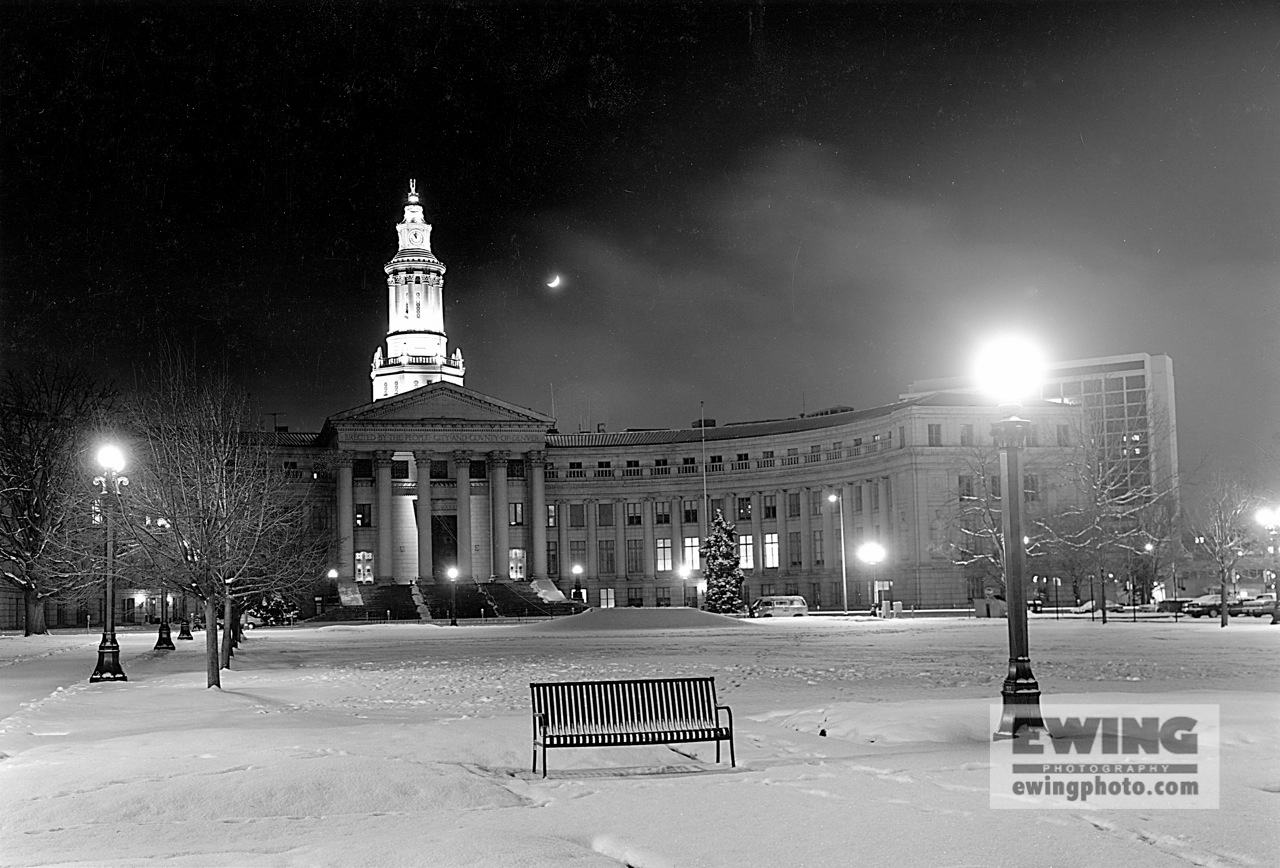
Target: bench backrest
(684,703)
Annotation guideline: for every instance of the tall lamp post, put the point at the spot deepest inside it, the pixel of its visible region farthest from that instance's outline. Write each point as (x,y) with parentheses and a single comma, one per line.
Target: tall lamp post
(453,596)
(110,484)
(871,553)
(844,570)
(684,572)
(1008,368)
(1269,518)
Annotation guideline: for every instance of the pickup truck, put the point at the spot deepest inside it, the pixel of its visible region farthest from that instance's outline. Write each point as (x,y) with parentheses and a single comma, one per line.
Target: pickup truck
(1263,604)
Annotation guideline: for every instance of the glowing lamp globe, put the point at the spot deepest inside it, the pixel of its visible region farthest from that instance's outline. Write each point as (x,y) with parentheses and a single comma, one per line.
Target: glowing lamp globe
(1010,368)
(871,553)
(111,458)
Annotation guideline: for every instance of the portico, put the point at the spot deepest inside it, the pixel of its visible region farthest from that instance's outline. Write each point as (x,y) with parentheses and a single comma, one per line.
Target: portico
(440,477)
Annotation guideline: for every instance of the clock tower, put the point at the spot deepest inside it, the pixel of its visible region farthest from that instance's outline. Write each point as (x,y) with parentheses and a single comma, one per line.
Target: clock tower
(416,348)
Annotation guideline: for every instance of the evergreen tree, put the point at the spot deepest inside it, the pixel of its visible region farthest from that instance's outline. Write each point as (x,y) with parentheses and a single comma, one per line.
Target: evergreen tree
(720,568)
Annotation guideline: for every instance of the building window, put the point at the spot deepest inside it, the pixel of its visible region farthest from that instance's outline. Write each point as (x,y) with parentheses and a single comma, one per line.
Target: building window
(818,558)
(1064,435)
(515,515)
(935,435)
(1030,487)
(690,511)
(364,515)
(857,498)
(716,459)
(515,561)
(770,506)
(771,551)
(604,549)
(793,504)
(604,512)
(634,516)
(553,558)
(577,515)
(479,469)
(745,555)
(966,435)
(663,561)
(663,597)
(717,506)
(364,566)
(635,556)
(995,487)
(659,462)
(551,515)
(815,501)
(635,597)
(766,589)
(399,469)
(692,558)
(744,509)
(606,598)
(661,512)
(875,496)
(743,456)
(362,468)
(577,554)
(515,468)
(888,492)
(439,470)
(793,548)
(966,487)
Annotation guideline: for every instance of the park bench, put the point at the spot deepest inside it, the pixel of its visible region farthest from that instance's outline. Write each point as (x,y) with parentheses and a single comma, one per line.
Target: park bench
(624,713)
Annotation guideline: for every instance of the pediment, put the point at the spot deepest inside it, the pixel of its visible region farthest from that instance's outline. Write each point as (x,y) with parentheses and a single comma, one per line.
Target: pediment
(443,403)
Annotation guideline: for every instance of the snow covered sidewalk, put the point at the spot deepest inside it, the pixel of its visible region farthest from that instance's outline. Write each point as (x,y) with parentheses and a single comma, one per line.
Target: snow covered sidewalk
(411,745)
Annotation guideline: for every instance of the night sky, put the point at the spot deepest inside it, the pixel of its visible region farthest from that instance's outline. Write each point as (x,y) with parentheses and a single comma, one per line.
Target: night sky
(769,208)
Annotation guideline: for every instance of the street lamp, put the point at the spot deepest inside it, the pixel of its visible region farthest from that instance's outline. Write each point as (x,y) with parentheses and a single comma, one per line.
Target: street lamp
(1269,518)
(844,570)
(110,483)
(577,584)
(453,596)
(1010,369)
(684,572)
(871,553)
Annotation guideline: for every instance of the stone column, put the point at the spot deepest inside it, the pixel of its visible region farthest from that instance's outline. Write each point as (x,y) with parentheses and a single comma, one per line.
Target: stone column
(592,565)
(346,518)
(423,462)
(650,539)
(784,550)
(831,530)
(806,535)
(620,538)
(757,533)
(538,506)
(498,515)
(462,473)
(562,536)
(382,483)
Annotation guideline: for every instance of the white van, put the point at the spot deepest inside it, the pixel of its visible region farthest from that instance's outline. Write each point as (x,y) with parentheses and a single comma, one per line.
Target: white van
(779,607)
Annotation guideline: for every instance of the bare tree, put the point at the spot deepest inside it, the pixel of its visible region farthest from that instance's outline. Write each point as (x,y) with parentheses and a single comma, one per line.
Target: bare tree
(47,420)
(215,513)
(1223,529)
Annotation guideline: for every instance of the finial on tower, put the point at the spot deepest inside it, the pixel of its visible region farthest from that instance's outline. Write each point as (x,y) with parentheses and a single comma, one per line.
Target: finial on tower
(413,190)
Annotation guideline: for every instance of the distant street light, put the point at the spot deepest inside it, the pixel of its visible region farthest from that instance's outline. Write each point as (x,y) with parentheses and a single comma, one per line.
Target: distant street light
(871,553)
(844,569)
(453,596)
(110,486)
(1269,518)
(1011,369)
(684,573)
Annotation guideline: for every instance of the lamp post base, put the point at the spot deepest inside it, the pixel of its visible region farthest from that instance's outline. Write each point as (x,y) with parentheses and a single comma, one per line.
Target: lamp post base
(1021,699)
(185,632)
(164,642)
(108,668)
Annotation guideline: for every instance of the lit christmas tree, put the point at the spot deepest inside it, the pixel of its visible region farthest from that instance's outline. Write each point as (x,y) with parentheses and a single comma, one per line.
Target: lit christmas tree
(720,568)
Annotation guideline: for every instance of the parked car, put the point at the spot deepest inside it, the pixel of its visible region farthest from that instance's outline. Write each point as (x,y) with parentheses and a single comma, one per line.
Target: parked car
(1211,605)
(1263,604)
(1093,606)
(779,607)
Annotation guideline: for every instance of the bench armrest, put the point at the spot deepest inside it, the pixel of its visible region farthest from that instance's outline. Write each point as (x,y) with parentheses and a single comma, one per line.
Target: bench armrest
(727,710)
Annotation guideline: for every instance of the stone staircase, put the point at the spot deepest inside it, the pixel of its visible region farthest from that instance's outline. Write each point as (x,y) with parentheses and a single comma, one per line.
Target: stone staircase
(431,601)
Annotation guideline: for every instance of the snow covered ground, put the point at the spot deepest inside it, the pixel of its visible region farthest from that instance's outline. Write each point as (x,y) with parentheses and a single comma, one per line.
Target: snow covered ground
(384,745)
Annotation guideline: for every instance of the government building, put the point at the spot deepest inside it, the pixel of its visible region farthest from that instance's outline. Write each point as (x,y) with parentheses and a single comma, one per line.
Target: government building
(435,490)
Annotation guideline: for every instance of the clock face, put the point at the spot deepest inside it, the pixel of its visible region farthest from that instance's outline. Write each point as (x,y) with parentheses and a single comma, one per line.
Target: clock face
(415,237)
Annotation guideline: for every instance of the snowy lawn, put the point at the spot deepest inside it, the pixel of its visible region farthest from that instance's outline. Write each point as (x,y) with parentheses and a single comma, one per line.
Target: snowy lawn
(388,745)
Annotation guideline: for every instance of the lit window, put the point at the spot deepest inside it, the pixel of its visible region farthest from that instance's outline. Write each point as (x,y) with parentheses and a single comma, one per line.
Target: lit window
(771,551)
(663,564)
(515,514)
(746,558)
(515,561)
(692,558)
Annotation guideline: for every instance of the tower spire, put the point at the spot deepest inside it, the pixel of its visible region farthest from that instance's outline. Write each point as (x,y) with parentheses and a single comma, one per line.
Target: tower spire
(416,347)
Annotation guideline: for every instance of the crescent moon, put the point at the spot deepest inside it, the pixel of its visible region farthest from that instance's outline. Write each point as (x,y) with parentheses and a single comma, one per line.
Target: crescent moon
(555,281)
